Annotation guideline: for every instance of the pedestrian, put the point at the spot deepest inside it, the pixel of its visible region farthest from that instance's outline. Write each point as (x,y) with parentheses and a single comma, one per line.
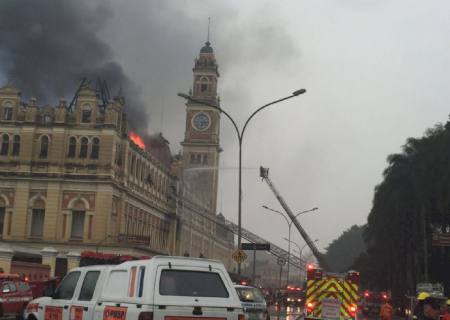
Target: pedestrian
(386,311)
(431,308)
(418,309)
(446,313)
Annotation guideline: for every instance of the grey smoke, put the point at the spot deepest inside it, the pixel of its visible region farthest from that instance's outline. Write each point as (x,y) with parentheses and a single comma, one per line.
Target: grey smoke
(47,47)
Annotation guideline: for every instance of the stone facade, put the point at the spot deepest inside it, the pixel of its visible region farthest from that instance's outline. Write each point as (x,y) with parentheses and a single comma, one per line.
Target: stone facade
(74,181)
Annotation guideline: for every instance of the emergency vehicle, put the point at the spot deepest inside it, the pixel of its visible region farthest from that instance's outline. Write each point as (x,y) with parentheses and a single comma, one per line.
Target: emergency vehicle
(160,288)
(331,295)
(14,295)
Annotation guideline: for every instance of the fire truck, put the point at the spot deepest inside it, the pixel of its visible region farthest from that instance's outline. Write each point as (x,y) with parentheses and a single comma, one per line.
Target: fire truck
(331,295)
(14,295)
(328,295)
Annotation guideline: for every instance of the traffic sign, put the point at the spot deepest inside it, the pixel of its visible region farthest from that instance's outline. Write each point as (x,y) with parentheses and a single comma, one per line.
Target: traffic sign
(239,256)
(281,261)
(255,246)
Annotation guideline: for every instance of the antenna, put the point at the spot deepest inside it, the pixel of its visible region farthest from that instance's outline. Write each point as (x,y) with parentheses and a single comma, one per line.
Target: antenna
(209,24)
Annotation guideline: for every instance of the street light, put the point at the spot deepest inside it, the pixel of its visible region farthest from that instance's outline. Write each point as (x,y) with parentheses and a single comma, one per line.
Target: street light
(240,136)
(289,222)
(299,256)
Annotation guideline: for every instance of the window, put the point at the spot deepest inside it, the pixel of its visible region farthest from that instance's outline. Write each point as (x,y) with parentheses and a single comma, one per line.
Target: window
(95,148)
(23,286)
(5,145)
(72,147)
(204,84)
(67,286)
(47,118)
(88,287)
(141,281)
(9,287)
(84,148)
(86,116)
(192,284)
(44,147)
(77,230)
(16,146)
(205,159)
(7,113)
(37,222)
(2,219)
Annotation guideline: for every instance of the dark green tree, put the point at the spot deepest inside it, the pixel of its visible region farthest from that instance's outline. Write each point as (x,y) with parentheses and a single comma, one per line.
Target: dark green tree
(411,203)
(342,252)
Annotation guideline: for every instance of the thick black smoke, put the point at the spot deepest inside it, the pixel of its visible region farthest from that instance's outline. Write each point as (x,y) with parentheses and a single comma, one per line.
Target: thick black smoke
(48,46)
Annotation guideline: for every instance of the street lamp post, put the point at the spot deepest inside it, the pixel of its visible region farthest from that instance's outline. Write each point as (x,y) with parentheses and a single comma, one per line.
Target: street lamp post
(289,233)
(240,136)
(299,257)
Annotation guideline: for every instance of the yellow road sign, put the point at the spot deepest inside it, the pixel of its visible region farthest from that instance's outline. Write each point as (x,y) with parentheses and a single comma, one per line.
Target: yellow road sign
(239,256)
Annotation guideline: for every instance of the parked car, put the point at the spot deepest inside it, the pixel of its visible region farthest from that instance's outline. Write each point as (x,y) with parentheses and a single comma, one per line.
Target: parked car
(253,302)
(161,288)
(14,295)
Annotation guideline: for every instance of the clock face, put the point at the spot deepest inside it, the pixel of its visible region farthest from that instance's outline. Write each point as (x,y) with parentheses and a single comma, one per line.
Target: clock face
(201,121)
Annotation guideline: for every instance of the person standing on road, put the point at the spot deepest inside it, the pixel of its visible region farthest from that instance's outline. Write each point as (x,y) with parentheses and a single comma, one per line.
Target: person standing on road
(431,308)
(386,311)
(446,314)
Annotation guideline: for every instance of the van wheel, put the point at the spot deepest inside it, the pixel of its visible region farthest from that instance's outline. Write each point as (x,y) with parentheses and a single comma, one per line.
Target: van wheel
(31,317)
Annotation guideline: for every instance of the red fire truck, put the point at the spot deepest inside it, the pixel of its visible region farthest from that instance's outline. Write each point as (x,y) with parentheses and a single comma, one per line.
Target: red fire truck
(14,295)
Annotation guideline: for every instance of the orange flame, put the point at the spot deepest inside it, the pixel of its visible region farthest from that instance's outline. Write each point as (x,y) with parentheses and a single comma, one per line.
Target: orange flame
(137,139)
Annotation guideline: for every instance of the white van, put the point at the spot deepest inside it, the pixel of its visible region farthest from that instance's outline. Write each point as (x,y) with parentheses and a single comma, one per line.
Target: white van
(161,288)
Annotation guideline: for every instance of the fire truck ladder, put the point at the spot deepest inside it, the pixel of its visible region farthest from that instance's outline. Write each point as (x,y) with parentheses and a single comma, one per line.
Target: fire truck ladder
(264,173)
(274,249)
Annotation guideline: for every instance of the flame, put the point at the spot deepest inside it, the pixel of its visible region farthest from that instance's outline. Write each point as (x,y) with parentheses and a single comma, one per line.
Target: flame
(137,139)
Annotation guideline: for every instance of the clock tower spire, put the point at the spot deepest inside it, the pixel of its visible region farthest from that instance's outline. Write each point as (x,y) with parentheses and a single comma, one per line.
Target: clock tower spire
(201,140)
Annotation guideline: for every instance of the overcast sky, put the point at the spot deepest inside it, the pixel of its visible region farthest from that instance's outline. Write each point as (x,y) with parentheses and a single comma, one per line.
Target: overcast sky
(377,72)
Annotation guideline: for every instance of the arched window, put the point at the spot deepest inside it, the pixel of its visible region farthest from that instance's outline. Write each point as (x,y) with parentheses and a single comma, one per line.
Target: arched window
(43,153)
(5,145)
(78,216)
(84,148)
(16,145)
(37,218)
(95,148)
(7,111)
(72,147)
(204,83)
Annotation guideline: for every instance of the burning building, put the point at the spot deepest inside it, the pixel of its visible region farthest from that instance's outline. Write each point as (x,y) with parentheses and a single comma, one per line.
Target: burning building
(74,178)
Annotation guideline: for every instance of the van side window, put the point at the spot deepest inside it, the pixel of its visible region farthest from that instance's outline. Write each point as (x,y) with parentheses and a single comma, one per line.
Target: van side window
(141,281)
(88,287)
(67,286)
(132,283)
(117,285)
(192,284)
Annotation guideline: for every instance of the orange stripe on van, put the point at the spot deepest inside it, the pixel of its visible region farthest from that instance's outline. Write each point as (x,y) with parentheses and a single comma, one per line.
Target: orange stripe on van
(132,283)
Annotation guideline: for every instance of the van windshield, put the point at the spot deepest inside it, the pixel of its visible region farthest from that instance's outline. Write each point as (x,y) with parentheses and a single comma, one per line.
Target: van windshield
(192,284)
(250,295)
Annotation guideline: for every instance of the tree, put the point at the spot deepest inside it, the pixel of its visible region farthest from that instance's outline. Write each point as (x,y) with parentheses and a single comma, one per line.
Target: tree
(342,252)
(412,200)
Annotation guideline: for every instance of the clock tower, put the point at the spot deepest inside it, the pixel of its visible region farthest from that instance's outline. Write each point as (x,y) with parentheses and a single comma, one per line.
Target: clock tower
(201,140)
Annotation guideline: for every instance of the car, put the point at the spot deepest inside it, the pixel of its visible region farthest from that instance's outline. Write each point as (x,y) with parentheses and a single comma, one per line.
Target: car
(253,302)
(160,288)
(14,295)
